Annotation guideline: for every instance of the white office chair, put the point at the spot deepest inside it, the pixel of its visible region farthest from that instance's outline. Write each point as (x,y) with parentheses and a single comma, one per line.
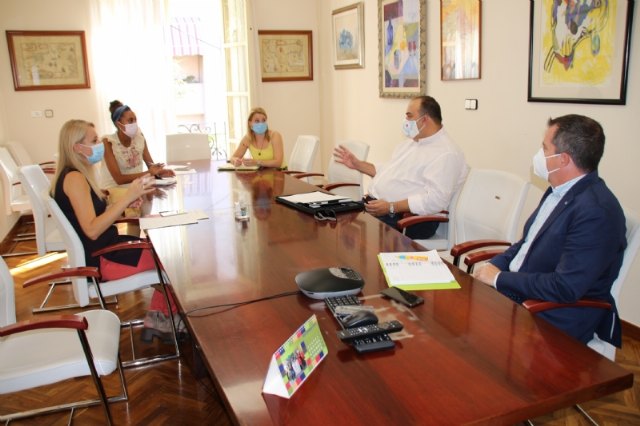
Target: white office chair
(486,213)
(303,154)
(188,146)
(15,199)
(633,243)
(84,291)
(55,348)
(34,181)
(342,180)
(23,158)
(604,348)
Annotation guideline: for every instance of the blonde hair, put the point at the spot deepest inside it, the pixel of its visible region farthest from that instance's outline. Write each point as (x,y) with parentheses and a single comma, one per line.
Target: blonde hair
(250,132)
(71,133)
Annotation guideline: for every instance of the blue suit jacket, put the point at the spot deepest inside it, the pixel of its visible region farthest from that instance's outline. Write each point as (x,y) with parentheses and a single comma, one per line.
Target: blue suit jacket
(576,254)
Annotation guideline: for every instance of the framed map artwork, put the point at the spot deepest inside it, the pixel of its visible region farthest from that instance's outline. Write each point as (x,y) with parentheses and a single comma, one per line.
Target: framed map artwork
(48,60)
(285,55)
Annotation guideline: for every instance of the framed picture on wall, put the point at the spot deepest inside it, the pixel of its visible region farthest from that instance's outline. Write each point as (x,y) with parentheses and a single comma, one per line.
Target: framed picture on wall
(48,60)
(402,45)
(285,55)
(579,53)
(460,39)
(348,37)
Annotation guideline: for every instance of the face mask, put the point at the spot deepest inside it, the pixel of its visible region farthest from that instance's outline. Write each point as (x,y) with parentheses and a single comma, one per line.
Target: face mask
(540,165)
(410,128)
(131,129)
(97,153)
(259,128)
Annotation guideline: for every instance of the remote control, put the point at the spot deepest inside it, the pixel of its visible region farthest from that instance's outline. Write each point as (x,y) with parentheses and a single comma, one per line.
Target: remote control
(374,343)
(370,330)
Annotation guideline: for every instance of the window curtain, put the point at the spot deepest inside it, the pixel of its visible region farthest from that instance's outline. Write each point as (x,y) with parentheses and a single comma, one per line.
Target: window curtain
(132,62)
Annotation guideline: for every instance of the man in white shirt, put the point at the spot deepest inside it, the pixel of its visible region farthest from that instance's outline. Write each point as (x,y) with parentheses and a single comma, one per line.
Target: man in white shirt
(422,175)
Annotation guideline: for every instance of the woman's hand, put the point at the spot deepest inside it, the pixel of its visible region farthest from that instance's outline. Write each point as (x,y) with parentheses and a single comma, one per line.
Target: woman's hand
(156,168)
(166,173)
(249,162)
(235,161)
(139,187)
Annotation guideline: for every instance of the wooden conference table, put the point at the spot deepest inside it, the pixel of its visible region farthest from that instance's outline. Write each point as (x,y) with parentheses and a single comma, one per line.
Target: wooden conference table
(465,356)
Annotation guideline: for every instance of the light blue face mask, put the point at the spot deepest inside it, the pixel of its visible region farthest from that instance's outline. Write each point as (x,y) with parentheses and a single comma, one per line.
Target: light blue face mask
(97,153)
(259,128)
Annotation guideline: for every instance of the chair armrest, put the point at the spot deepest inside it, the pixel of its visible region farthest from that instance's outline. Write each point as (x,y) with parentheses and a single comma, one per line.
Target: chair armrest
(304,175)
(414,219)
(125,245)
(476,257)
(462,248)
(292,172)
(84,271)
(335,185)
(535,306)
(76,322)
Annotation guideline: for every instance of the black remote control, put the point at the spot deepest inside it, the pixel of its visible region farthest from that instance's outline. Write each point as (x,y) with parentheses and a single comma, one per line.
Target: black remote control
(370,330)
(375,343)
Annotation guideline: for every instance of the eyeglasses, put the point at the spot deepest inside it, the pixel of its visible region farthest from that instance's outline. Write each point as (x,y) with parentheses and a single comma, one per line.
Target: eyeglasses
(326,214)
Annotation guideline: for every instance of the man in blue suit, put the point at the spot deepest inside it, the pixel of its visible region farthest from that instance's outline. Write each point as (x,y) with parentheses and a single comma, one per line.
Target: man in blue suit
(574,241)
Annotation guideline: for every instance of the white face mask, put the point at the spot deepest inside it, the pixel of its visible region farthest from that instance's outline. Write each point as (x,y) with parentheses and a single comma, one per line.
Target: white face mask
(410,128)
(131,129)
(540,165)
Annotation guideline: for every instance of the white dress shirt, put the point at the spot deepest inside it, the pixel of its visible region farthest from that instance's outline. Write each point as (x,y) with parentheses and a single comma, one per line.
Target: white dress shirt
(427,172)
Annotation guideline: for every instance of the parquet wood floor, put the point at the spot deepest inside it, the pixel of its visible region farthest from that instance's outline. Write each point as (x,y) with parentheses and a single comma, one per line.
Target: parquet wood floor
(180,392)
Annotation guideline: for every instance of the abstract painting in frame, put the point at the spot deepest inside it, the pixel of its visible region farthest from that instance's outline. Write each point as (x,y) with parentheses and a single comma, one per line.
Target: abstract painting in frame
(48,60)
(348,36)
(402,48)
(285,55)
(460,39)
(579,51)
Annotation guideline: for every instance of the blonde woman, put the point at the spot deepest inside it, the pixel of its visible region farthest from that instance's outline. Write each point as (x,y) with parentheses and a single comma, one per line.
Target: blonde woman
(264,144)
(76,191)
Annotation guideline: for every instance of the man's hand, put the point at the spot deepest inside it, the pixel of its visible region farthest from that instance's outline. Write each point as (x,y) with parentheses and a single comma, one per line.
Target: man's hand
(346,157)
(487,274)
(377,207)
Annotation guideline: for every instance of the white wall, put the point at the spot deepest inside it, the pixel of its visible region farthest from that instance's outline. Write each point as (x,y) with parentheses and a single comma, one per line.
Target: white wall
(294,106)
(503,133)
(39,135)
(506,130)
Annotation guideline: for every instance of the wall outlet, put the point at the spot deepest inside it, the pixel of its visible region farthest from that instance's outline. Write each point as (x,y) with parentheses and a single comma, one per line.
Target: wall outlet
(48,113)
(471,104)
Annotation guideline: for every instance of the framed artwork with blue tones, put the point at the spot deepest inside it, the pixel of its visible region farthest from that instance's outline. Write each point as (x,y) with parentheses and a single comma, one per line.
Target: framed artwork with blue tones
(348,37)
(579,51)
(460,39)
(402,45)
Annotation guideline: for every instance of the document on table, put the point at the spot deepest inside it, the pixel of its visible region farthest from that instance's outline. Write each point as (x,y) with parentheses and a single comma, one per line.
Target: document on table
(179,169)
(422,270)
(230,167)
(172,219)
(315,197)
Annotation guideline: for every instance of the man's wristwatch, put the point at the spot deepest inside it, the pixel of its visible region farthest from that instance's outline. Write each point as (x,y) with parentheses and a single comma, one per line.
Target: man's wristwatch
(392,210)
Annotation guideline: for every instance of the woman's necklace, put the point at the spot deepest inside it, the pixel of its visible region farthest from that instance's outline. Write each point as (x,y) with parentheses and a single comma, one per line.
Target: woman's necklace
(261,149)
